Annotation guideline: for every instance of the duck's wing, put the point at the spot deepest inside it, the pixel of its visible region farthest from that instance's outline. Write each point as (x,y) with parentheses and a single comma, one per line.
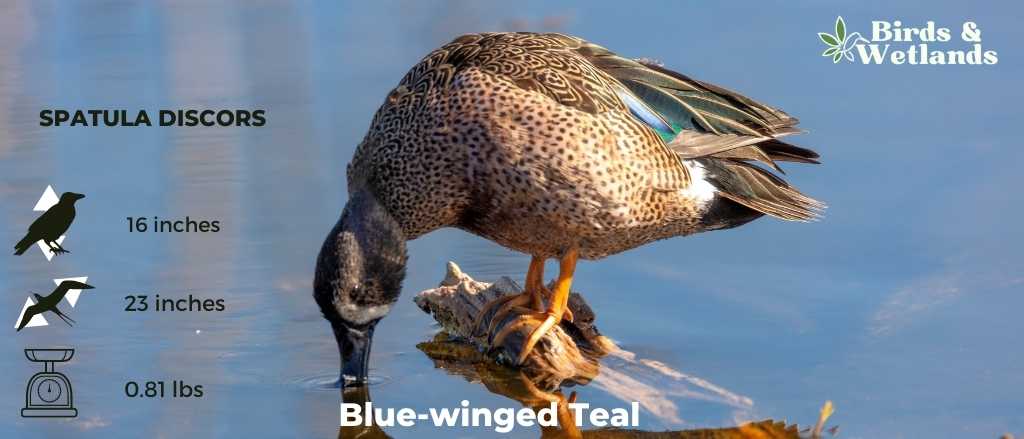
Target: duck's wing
(554,65)
(694,119)
(683,104)
(543,63)
(728,131)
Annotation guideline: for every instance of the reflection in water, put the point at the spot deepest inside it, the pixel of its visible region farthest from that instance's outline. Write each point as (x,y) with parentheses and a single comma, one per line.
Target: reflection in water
(461,359)
(654,385)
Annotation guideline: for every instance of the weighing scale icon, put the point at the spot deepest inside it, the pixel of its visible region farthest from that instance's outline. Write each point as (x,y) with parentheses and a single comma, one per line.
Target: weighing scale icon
(49,392)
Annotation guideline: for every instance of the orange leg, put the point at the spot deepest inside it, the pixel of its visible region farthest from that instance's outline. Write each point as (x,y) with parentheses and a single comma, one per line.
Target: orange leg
(535,282)
(531,296)
(543,291)
(556,308)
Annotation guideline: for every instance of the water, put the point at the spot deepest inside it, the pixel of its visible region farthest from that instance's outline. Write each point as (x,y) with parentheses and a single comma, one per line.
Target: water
(902,306)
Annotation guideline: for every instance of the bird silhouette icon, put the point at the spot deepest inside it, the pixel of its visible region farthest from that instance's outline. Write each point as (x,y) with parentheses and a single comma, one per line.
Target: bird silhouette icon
(49,303)
(51,225)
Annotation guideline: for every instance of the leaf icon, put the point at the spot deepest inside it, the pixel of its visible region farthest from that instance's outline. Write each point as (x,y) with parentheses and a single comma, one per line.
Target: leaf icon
(828,39)
(840,28)
(841,45)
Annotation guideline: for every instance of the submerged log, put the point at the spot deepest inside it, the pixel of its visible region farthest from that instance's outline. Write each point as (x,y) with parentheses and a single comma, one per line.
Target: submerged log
(567,354)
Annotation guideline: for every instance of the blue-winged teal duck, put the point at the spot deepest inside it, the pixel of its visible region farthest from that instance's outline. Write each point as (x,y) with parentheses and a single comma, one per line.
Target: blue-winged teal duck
(552,146)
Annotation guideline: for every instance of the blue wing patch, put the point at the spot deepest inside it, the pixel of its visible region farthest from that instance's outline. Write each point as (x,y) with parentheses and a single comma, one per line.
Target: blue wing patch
(646,115)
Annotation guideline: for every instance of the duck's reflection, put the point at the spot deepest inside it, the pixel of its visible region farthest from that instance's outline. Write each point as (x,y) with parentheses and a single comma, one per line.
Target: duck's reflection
(463,360)
(360,395)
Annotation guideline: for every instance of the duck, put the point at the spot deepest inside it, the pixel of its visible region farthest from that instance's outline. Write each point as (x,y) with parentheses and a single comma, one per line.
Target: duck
(551,146)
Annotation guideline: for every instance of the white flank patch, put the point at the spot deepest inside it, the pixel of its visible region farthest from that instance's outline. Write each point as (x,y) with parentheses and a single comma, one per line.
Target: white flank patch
(72,296)
(37,320)
(700,189)
(362,314)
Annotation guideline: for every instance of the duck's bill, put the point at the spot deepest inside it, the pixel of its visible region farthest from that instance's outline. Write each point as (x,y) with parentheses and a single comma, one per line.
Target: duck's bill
(354,345)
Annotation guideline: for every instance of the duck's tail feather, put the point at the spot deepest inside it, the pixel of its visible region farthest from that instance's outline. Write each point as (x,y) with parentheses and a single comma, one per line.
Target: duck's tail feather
(785,152)
(758,189)
(764,149)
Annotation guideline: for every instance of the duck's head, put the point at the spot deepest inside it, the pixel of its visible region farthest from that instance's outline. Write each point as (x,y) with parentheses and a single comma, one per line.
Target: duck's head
(359,276)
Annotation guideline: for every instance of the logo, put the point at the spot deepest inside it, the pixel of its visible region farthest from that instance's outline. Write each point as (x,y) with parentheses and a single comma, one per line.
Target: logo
(892,42)
(840,45)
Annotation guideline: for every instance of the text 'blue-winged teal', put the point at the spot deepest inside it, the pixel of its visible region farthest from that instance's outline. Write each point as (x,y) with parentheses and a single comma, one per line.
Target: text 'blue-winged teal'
(552,146)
